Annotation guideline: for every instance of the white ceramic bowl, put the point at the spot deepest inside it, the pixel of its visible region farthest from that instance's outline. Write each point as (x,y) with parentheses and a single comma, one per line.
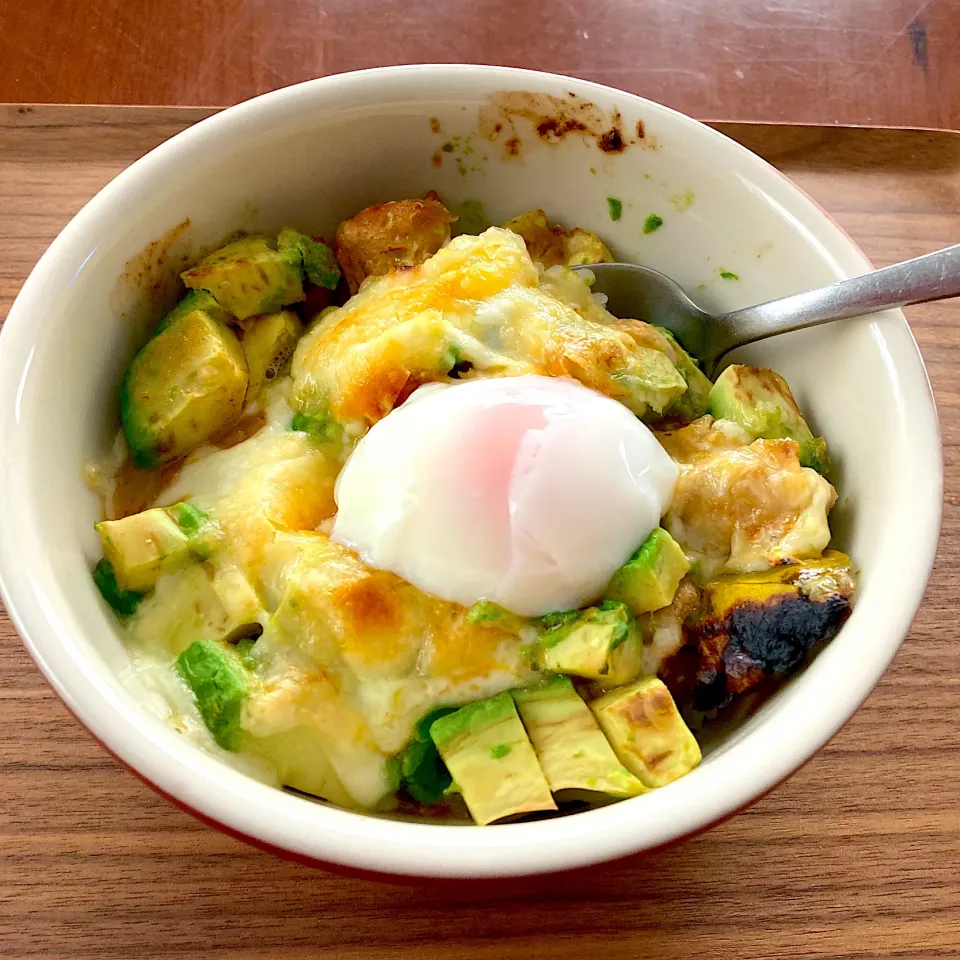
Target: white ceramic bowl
(312,154)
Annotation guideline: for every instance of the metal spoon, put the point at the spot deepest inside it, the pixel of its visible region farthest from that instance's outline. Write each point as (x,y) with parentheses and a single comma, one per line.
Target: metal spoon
(645,294)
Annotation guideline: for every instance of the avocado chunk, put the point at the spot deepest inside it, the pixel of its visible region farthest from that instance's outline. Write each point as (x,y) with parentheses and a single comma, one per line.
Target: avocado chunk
(761,402)
(268,344)
(250,276)
(570,746)
(186,383)
(646,731)
(124,602)
(600,643)
(195,300)
(219,684)
(492,760)
(649,579)
(693,403)
(143,546)
(317,259)
(423,774)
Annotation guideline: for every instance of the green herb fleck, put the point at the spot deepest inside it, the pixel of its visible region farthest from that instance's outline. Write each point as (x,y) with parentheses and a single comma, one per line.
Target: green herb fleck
(322,429)
(683,201)
(729,275)
(500,751)
(653,222)
(615,207)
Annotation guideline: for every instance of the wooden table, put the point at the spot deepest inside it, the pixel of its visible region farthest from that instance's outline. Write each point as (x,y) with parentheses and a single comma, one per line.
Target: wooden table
(856,856)
(893,62)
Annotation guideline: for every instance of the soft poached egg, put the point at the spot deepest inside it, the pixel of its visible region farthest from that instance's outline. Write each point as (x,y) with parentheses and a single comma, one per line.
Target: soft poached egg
(526,491)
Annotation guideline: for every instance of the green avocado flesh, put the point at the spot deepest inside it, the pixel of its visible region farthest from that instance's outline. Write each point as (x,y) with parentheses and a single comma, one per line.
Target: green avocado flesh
(319,263)
(188,382)
(219,685)
(761,403)
(268,344)
(143,546)
(600,643)
(646,731)
(570,746)
(649,579)
(422,773)
(489,755)
(124,602)
(195,300)
(249,276)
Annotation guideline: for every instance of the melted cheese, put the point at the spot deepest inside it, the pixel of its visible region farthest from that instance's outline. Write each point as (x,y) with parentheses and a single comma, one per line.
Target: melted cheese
(481,300)
(743,507)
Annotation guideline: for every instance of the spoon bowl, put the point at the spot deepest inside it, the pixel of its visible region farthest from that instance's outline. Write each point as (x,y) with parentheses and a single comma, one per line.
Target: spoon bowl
(641,293)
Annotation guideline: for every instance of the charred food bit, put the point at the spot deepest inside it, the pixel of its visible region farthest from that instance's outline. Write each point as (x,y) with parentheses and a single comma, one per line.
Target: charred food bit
(759,625)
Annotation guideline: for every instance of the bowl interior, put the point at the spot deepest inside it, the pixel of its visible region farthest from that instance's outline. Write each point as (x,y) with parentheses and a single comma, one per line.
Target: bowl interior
(312,155)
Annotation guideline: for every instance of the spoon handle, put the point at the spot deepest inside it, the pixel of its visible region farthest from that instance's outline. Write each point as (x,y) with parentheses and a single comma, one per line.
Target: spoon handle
(934,276)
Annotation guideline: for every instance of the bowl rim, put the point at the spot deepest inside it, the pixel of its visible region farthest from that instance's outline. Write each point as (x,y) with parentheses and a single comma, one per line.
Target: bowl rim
(328,835)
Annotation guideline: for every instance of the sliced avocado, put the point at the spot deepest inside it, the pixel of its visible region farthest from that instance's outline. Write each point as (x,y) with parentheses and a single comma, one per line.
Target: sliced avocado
(646,731)
(250,276)
(693,403)
(124,602)
(760,401)
(195,300)
(570,746)
(143,546)
(492,760)
(600,643)
(422,773)
(649,579)
(319,263)
(268,344)
(186,383)
(220,686)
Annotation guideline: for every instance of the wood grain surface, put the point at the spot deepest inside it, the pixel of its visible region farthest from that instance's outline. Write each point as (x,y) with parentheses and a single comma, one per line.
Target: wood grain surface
(893,62)
(856,856)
